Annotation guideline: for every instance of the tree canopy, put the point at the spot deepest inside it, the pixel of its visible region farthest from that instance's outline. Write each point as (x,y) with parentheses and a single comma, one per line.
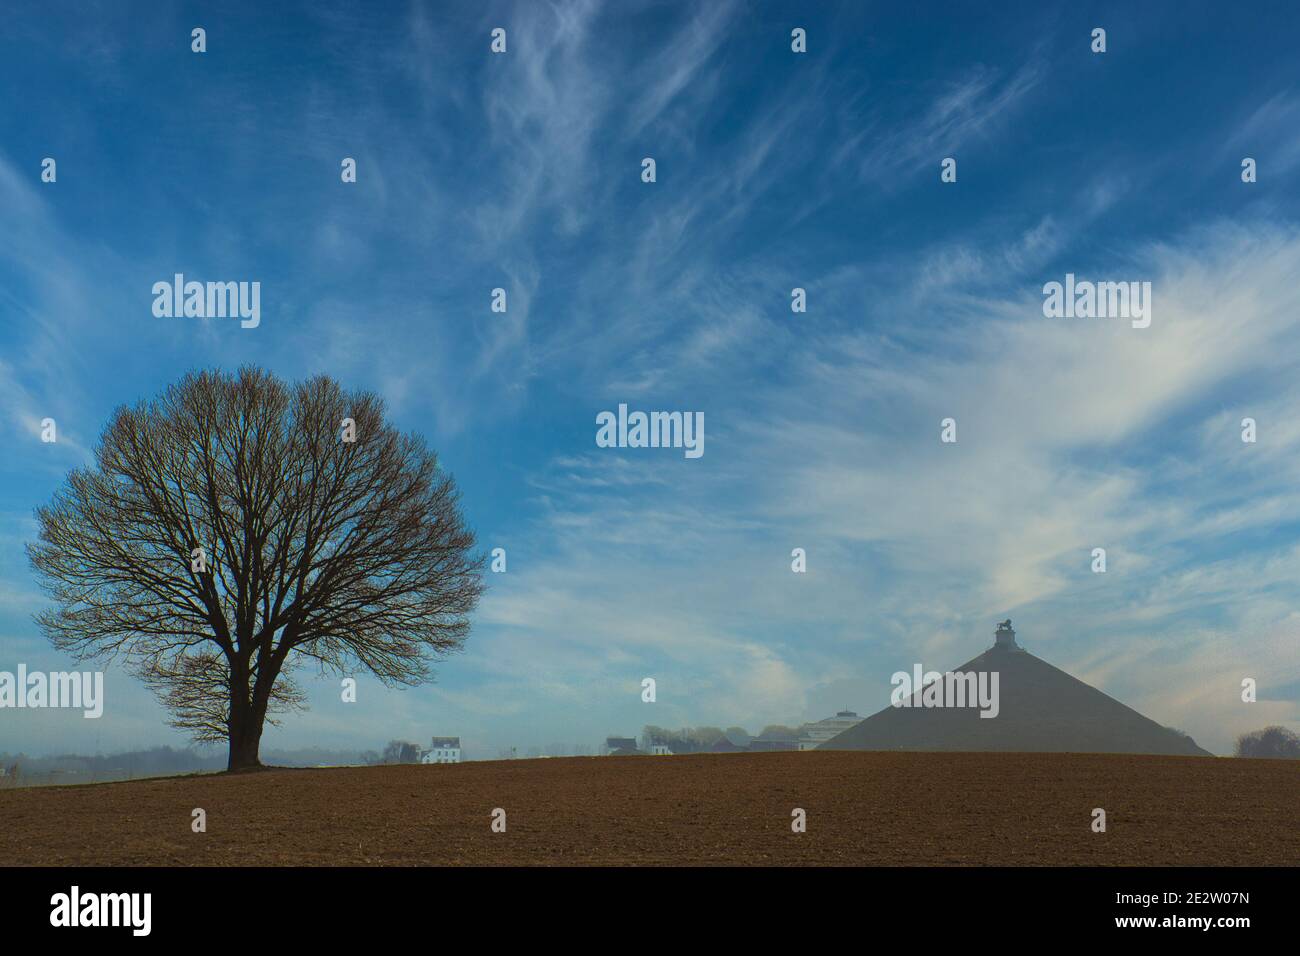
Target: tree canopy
(237,526)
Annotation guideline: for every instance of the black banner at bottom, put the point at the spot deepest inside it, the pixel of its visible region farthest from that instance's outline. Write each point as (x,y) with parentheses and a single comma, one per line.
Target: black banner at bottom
(337,905)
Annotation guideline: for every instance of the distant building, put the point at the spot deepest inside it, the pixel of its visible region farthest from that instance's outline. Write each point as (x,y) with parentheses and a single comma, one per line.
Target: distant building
(672,744)
(812,735)
(725,746)
(615,745)
(660,750)
(442,750)
(774,741)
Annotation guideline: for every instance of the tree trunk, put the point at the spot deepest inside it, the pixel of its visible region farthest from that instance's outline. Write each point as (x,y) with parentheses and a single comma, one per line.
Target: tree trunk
(246,721)
(245,739)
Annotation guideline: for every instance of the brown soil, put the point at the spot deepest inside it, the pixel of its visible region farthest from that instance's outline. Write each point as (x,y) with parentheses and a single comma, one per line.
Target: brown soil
(862,808)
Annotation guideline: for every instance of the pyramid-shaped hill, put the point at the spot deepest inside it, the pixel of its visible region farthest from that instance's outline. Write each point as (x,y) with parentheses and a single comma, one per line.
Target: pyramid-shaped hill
(1041,708)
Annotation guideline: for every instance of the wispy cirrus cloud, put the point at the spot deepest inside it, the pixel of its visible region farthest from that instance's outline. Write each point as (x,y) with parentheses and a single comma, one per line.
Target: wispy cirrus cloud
(958,114)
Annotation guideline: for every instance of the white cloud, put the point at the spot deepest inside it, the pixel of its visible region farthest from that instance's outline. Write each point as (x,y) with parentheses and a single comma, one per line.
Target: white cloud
(1067,430)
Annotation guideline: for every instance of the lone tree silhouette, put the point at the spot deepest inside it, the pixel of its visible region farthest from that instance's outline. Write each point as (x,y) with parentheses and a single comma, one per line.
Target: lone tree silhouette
(229,532)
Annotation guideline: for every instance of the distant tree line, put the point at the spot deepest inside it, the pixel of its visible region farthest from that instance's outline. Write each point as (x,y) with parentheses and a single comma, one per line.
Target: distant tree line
(155,762)
(698,739)
(1277,742)
(82,768)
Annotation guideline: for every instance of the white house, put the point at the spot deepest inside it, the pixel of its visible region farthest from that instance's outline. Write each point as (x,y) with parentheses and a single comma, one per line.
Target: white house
(442,750)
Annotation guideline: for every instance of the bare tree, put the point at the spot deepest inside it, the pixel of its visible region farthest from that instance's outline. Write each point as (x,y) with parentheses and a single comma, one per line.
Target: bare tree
(704,737)
(1276,742)
(401,751)
(230,530)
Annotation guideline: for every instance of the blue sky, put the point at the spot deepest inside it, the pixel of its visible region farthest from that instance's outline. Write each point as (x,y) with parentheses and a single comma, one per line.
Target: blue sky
(774,170)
